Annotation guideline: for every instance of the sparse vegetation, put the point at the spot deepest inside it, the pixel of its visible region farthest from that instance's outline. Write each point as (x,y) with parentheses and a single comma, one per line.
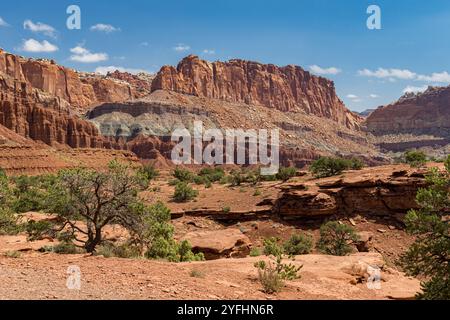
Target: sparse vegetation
(298,244)
(183,175)
(195,273)
(336,239)
(13,254)
(429,256)
(149,172)
(255,252)
(329,166)
(415,158)
(273,274)
(184,192)
(286,173)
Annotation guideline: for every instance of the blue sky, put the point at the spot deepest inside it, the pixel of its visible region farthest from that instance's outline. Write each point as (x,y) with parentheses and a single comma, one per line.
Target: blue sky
(370,67)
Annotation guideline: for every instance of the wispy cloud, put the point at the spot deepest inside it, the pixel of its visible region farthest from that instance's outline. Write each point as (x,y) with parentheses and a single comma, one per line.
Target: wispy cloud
(374,96)
(319,70)
(3,23)
(107,28)
(354,97)
(32,45)
(181,47)
(404,74)
(81,54)
(413,89)
(39,27)
(144,44)
(104,70)
(388,73)
(209,51)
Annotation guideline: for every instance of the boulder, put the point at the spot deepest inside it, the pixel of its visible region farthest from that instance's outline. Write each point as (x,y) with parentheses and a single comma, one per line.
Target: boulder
(226,243)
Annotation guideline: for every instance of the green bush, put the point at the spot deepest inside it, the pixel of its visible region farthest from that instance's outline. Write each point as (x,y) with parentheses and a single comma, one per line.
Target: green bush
(286,173)
(429,256)
(156,235)
(183,175)
(255,252)
(328,167)
(272,274)
(298,244)
(125,251)
(184,192)
(415,158)
(149,172)
(37,230)
(272,248)
(356,164)
(212,174)
(336,239)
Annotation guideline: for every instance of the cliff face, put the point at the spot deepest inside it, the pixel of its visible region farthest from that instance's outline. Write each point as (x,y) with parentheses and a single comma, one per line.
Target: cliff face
(287,88)
(425,113)
(42,117)
(78,89)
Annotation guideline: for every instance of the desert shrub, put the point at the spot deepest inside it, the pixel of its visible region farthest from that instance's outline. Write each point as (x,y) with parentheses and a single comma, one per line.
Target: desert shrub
(212,174)
(8,221)
(429,256)
(66,248)
(236,178)
(328,167)
(173,182)
(286,173)
(271,247)
(184,192)
(356,164)
(156,235)
(298,244)
(125,250)
(148,171)
(336,239)
(226,209)
(255,252)
(31,193)
(257,193)
(272,274)
(183,175)
(269,278)
(415,158)
(36,230)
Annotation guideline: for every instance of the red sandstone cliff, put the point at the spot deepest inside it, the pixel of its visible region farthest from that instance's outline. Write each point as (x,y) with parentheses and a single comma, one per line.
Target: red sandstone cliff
(78,89)
(424,113)
(287,88)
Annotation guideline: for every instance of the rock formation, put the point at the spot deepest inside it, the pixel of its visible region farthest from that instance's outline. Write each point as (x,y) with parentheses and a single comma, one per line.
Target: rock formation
(287,88)
(80,90)
(423,113)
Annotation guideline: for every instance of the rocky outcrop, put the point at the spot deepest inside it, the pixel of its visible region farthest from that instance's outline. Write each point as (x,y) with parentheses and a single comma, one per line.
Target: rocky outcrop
(418,114)
(287,88)
(42,117)
(226,243)
(80,90)
(385,193)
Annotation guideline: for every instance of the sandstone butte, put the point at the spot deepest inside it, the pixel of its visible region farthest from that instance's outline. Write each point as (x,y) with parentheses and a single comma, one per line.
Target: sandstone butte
(288,88)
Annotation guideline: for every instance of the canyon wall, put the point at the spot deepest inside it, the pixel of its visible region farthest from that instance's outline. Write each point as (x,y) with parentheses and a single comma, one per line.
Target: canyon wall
(288,88)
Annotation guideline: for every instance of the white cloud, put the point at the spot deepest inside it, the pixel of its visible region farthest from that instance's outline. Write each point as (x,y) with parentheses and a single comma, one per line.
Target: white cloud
(209,51)
(398,74)
(32,45)
(374,96)
(388,73)
(39,28)
(83,55)
(104,70)
(442,77)
(352,96)
(320,70)
(182,47)
(107,28)
(3,23)
(413,89)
